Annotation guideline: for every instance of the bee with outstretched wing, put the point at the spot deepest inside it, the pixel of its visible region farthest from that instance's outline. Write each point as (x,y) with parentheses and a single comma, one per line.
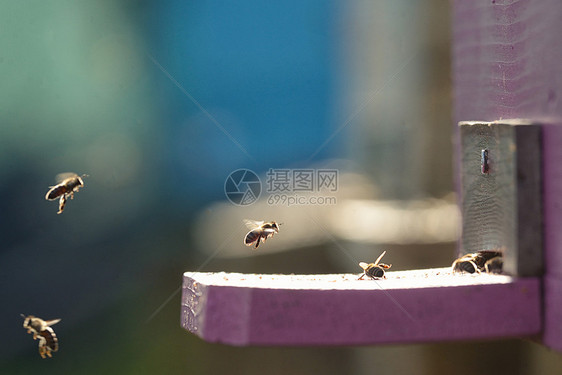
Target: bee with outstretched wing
(41,329)
(259,231)
(374,270)
(67,185)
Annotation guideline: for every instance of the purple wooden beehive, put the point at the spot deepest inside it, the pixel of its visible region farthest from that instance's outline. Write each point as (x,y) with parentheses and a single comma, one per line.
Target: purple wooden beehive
(506,65)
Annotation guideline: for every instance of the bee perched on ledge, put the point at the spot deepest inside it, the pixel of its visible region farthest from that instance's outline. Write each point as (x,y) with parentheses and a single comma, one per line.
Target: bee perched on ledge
(41,329)
(489,261)
(374,270)
(67,185)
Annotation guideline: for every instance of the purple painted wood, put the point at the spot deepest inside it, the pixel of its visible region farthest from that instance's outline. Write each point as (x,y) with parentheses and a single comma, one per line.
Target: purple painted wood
(507,64)
(506,59)
(414,306)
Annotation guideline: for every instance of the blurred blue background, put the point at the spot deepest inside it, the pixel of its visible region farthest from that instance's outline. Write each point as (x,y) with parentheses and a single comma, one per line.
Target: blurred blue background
(264,74)
(158,102)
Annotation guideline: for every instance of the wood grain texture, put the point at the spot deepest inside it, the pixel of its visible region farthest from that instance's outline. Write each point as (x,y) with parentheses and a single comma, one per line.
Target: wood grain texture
(502,208)
(506,59)
(409,306)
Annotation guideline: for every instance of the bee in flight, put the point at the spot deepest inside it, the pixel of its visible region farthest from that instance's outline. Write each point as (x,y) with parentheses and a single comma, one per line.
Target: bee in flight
(67,185)
(260,231)
(490,261)
(41,329)
(374,270)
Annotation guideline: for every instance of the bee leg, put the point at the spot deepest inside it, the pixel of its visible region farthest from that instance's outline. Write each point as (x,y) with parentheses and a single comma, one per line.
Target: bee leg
(257,242)
(62,203)
(361,277)
(475,267)
(487,268)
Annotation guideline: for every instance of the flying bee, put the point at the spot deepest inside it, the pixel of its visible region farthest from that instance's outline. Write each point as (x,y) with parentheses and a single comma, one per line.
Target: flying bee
(67,185)
(489,261)
(260,231)
(41,329)
(374,270)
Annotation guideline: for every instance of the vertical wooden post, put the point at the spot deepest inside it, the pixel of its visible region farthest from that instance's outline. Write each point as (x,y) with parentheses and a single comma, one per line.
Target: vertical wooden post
(501,192)
(552,281)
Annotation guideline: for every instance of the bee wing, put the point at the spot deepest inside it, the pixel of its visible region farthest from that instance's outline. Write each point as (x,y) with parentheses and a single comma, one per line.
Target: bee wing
(363,265)
(252,224)
(52,322)
(63,176)
(380,257)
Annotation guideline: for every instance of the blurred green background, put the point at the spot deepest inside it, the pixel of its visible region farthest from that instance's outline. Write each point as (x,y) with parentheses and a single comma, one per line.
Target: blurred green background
(158,102)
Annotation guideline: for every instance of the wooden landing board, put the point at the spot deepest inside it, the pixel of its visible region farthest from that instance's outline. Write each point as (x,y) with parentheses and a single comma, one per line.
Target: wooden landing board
(409,306)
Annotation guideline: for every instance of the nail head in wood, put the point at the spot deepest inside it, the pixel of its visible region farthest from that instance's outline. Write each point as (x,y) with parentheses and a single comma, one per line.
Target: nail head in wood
(484,166)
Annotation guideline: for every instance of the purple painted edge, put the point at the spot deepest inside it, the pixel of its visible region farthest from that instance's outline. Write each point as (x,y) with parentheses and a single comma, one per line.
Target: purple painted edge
(206,307)
(300,317)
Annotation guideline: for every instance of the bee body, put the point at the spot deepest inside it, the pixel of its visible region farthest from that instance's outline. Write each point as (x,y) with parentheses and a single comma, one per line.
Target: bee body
(253,236)
(259,232)
(374,270)
(68,184)
(465,264)
(41,329)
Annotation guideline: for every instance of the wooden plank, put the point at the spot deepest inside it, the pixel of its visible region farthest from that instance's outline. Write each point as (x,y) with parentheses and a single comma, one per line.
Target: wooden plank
(408,306)
(501,199)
